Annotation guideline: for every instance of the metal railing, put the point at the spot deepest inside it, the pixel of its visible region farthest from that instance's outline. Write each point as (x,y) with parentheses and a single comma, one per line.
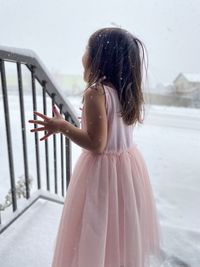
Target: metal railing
(49,88)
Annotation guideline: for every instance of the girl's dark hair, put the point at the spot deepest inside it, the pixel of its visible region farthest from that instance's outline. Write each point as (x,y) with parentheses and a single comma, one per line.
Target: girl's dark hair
(116,54)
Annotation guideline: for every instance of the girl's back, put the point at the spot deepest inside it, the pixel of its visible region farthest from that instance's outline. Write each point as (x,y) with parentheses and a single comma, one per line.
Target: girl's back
(120,135)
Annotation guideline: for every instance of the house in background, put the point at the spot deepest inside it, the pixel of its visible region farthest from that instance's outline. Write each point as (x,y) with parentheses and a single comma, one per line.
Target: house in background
(187,83)
(184,91)
(70,84)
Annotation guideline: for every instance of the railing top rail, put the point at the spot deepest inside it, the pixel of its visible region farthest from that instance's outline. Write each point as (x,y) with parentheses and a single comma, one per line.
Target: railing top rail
(31,59)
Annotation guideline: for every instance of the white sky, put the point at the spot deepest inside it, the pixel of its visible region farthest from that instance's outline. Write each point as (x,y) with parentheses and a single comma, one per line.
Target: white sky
(58,30)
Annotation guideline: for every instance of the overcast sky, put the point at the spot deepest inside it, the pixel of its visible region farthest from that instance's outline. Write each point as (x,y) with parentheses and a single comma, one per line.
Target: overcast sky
(58,30)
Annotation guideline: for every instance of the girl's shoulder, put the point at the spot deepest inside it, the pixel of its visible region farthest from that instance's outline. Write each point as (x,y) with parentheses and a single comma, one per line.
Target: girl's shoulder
(96,88)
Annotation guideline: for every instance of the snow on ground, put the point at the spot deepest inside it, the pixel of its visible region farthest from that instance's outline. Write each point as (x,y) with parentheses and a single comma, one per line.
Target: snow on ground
(170,143)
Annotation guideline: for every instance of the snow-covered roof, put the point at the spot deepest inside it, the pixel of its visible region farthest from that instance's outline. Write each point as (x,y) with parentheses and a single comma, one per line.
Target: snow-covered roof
(191,77)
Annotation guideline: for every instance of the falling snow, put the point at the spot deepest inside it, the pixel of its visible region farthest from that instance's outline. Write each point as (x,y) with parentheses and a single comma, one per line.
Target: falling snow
(169,179)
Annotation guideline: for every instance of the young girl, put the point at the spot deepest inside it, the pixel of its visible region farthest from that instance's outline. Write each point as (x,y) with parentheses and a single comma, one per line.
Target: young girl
(109,216)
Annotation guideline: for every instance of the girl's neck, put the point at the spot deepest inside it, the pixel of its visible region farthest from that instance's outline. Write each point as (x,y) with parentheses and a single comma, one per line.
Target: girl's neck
(108,84)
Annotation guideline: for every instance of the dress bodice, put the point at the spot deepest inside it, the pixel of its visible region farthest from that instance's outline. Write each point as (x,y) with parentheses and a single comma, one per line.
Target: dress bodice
(120,135)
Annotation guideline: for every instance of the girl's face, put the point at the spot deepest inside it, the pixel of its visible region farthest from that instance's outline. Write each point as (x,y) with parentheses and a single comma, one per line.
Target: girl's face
(84,60)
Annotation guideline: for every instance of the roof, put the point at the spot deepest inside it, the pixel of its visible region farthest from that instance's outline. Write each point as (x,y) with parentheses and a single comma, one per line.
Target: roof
(191,77)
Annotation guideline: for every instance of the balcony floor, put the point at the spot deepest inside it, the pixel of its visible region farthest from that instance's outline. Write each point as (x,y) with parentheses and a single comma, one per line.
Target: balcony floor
(29,240)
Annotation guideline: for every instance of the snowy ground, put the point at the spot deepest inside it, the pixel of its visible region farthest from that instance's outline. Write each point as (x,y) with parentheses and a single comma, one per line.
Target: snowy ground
(170,143)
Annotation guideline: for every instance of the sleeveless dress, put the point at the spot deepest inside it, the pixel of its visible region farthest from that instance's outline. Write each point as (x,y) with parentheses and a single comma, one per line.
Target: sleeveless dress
(109,217)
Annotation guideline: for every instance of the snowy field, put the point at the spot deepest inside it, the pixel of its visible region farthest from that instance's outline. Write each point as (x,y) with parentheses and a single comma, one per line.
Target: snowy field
(170,143)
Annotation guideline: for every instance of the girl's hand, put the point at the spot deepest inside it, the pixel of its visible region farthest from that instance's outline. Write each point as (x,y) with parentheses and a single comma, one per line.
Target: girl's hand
(50,124)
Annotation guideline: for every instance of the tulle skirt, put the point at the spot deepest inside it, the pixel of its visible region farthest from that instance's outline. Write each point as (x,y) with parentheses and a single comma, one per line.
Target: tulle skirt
(109,217)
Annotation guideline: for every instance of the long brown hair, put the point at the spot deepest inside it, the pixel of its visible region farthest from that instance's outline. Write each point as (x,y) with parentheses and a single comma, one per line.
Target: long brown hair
(114,53)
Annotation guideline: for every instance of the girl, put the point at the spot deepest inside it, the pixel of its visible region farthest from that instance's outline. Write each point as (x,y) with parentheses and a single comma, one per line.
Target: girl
(109,216)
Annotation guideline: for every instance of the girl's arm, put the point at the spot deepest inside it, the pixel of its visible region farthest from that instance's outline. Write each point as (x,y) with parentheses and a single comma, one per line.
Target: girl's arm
(95,137)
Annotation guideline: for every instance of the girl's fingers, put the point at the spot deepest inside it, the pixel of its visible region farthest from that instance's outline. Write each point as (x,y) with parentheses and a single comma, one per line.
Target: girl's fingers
(38,129)
(41,115)
(55,110)
(38,122)
(45,137)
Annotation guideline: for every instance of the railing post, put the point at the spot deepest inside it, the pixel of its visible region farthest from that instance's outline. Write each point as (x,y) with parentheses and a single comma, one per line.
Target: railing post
(62,158)
(46,141)
(36,133)
(54,151)
(23,128)
(68,155)
(8,134)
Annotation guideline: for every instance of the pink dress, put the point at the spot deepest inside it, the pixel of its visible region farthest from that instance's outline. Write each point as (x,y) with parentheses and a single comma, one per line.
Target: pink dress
(109,218)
